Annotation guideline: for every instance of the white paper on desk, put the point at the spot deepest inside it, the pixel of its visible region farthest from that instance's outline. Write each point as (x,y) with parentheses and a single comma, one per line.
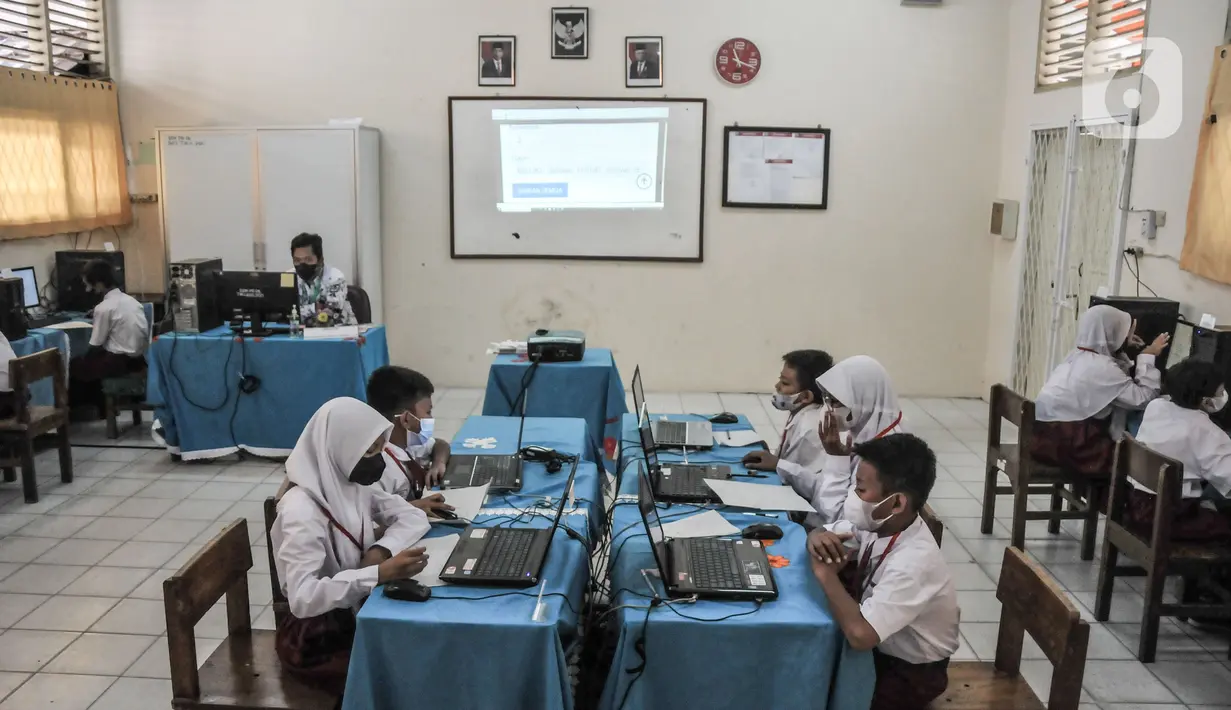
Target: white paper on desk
(738,437)
(340,331)
(707,524)
(438,551)
(71,325)
(758,496)
(466,502)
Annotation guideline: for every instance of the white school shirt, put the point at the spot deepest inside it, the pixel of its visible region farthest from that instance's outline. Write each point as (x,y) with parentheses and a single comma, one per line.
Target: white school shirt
(307,562)
(910,600)
(801,457)
(6,354)
(119,324)
(833,484)
(1188,436)
(394,480)
(1090,385)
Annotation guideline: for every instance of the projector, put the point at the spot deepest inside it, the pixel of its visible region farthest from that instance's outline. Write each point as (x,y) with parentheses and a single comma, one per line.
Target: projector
(556,345)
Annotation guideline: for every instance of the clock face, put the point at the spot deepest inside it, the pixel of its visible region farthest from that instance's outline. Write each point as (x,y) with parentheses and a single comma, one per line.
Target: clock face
(738,61)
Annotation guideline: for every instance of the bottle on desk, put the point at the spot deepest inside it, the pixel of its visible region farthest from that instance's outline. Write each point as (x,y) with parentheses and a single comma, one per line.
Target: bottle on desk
(294,321)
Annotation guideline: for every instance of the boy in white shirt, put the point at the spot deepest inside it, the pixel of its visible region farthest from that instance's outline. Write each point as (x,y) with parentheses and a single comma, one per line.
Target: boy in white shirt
(1178,425)
(118,341)
(901,603)
(800,452)
(414,460)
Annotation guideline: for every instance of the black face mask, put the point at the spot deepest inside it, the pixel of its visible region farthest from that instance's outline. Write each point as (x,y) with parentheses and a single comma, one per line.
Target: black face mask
(368,470)
(307,272)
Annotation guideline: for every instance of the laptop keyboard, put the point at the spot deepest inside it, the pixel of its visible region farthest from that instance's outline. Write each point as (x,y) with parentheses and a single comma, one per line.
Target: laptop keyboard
(671,433)
(497,470)
(688,483)
(506,553)
(714,565)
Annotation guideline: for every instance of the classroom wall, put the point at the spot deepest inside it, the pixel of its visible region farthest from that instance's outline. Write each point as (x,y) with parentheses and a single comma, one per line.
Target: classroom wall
(1162,174)
(898,267)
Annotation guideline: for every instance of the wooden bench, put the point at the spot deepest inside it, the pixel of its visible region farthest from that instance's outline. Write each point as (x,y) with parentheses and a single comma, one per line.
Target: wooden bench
(1031,603)
(17,433)
(934,525)
(244,672)
(1158,556)
(1028,477)
(126,392)
(282,608)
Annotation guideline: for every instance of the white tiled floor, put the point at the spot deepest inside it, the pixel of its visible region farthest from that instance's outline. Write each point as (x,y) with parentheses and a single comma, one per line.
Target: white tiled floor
(81,616)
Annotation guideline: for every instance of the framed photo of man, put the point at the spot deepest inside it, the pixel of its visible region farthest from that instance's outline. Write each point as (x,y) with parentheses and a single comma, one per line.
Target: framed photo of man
(644,59)
(497,60)
(570,37)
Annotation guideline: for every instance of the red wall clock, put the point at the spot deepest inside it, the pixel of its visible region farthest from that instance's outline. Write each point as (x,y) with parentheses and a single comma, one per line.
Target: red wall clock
(738,61)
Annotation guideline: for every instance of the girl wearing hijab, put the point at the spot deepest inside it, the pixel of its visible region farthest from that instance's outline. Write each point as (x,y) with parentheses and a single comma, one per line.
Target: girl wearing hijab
(324,549)
(859,400)
(1081,410)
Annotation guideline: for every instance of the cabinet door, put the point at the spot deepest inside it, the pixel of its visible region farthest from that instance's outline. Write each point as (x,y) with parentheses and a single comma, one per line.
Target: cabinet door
(209,195)
(307,179)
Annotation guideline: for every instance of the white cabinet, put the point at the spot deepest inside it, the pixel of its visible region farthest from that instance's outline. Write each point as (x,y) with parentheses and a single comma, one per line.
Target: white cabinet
(242,194)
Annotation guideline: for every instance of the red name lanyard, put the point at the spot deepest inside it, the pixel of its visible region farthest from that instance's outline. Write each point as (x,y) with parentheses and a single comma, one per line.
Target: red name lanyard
(416,478)
(862,580)
(357,543)
(890,428)
(785,427)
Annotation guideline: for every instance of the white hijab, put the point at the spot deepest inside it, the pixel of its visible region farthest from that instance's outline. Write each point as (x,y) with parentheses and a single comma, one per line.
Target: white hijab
(336,437)
(861,384)
(1091,377)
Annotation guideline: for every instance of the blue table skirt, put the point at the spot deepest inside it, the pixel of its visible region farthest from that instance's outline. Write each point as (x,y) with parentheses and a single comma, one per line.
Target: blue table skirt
(36,340)
(480,654)
(563,435)
(590,389)
(194,386)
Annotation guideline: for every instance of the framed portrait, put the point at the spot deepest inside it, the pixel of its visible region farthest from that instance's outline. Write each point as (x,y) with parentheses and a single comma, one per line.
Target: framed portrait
(570,35)
(497,60)
(644,62)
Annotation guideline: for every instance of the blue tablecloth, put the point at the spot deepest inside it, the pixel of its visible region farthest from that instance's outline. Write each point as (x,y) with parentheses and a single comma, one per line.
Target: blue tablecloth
(194,385)
(463,652)
(564,435)
(630,451)
(41,392)
(590,389)
(783,655)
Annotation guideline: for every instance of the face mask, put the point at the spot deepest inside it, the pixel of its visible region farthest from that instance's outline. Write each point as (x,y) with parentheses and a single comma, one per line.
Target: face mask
(427,427)
(859,512)
(785,402)
(368,470)
(1215,404)
(307,272)
(843,416)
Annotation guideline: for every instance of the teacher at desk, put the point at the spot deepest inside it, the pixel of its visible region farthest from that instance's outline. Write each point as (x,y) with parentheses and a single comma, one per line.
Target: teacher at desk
(322,288)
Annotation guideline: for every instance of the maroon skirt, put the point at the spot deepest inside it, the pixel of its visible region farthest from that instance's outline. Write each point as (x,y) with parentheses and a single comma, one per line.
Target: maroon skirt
(1189,521)
(901,685)
(1084,447)
(318,649)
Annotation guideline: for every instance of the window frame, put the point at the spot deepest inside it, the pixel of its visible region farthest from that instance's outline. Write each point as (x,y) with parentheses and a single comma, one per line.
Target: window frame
(1092,7)
(42,51)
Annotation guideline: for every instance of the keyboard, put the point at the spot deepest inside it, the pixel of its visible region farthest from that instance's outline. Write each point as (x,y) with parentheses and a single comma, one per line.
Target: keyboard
(671,433)
(714,565)
(687,482)
(506,553)
(45,321)
(499,471)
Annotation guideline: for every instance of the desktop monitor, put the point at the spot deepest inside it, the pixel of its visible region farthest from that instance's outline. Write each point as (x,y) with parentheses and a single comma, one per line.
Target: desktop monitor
(257,296)
(71,293)
(29,285)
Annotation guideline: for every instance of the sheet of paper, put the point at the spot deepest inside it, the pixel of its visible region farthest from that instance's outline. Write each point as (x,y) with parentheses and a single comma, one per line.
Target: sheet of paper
(758,496)
(466,502)
(340,332)
(707,524)
(438,551)
(71,325)
(738,437)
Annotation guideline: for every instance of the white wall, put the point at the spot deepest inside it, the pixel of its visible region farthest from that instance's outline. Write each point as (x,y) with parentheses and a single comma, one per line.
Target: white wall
(897,268)
(1162,175)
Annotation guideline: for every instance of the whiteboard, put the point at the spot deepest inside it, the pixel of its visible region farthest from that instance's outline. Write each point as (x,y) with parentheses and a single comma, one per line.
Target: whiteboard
(209,195)
(775,167)
(494,215)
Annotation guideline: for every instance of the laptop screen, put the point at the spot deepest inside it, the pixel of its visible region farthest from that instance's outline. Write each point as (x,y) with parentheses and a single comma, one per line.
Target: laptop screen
(646,430)
(649,516)
(638,394)
(29,285)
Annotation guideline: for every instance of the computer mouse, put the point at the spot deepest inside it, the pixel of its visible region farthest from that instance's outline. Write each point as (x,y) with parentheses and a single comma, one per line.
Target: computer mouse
(443,514)
(724,418)
(762,531)
(408,590)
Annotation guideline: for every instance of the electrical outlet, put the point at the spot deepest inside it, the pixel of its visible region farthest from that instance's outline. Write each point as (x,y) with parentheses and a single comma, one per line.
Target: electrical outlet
(143,199)
(1135,251)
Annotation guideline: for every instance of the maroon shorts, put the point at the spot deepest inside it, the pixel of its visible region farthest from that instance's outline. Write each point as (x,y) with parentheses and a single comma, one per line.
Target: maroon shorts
(901,685)
(1189,521)
(1083,447)
(318,649)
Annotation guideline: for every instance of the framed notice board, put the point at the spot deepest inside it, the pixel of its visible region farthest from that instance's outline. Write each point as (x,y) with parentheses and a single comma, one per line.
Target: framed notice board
(777,168)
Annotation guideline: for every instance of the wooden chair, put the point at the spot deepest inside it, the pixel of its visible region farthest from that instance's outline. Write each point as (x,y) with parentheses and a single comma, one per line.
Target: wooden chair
(1031,603)
(281,607)
(126,392)
(17,433)
(933,523)
(1028,477)
(1158,556)
(244,672)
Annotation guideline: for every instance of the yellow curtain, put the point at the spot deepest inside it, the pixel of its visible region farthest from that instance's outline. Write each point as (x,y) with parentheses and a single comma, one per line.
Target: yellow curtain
(61,156)
(1207,243)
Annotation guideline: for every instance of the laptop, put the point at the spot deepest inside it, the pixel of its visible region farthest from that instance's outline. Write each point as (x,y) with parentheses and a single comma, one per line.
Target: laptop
(30,300)
(678,482)
(706,567)
(673,435)
(504,557)
(502,472)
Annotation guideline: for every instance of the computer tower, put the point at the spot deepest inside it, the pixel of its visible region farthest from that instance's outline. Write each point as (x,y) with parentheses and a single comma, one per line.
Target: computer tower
(1154,316)
(71,293)
(13,308)
(193,295)
(1214,345)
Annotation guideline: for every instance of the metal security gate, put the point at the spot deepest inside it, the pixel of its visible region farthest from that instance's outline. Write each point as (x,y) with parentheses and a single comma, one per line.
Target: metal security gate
(1079,180)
